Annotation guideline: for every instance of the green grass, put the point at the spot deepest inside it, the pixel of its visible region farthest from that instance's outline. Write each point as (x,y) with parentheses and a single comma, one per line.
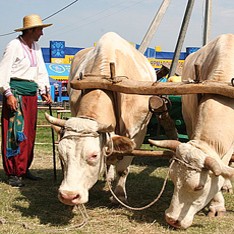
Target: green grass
(35,209)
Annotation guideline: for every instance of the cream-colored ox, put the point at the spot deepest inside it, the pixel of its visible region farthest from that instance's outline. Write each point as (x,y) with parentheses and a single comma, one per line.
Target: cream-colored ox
(96,113)
(201,166)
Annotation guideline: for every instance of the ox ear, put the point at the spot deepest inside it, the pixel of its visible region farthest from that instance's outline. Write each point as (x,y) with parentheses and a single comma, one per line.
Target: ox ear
(105,128)
(168,144)
(122,144)
(57,129)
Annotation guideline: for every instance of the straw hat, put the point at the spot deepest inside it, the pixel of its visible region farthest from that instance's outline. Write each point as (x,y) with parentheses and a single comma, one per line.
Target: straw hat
(32,21)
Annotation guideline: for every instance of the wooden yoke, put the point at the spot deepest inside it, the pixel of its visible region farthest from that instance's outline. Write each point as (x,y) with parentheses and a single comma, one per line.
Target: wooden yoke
(124,85)
(167,154)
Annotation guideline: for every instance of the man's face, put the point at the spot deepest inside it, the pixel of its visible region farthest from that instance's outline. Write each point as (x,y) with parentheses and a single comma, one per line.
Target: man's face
(37,33)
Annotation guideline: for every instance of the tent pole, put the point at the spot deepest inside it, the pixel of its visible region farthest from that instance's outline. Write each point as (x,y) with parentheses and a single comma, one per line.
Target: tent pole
(181,37)
(207,21)
(153,27)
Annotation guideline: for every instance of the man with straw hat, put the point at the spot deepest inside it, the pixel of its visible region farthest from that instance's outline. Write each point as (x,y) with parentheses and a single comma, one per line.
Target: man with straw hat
(23,73)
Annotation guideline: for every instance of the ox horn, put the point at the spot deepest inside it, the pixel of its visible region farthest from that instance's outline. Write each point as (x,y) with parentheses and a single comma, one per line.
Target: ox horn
(218,168)
(168,144)
(55,121)
(213,165)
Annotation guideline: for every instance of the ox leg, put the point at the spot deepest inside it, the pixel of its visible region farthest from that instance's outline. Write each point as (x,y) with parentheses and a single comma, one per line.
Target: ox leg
(122,170)
(227,186)
(110,177)
(217,206)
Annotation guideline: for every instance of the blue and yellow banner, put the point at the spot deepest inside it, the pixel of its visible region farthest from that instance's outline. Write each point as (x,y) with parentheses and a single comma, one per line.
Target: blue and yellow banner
(58,71)
(157,63)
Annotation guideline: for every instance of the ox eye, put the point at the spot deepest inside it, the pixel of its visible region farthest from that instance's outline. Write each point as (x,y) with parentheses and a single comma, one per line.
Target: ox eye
(94,156)
(92,160)
(199,187)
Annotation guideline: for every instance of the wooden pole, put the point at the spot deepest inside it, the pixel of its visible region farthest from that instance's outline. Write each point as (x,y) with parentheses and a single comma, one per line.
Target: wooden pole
(112,70)
(154,88)
(153,27)
(168,154)
(145,153)
(181,37)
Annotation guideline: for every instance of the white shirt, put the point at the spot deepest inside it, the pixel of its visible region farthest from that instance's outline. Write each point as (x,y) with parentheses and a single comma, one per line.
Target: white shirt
(21,62)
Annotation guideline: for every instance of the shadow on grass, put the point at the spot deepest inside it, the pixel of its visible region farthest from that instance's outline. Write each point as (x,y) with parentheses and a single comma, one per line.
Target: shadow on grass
(142,187)
(39,198)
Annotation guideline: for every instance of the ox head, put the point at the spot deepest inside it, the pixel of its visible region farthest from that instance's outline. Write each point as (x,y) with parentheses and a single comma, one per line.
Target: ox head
(82,150)
(197,178)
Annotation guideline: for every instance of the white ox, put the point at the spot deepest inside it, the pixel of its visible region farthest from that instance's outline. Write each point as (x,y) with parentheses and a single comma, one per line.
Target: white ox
(202,166)
(96,112)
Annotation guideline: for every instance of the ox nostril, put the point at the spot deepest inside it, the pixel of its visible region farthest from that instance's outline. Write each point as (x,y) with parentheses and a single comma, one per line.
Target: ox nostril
(172,222)
(77,196)
(70,199)
(68,195)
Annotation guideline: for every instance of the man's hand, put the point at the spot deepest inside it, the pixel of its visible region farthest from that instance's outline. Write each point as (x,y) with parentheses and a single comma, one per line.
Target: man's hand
(12,103)
(47,98)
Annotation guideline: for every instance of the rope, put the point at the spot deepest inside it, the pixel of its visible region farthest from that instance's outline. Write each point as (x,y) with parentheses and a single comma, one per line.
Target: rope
(187,164)
(80,134)
(148,205)
(111,149)
(84,215)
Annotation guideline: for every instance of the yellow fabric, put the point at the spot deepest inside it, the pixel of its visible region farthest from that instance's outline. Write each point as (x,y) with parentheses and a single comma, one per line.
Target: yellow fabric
(174,79)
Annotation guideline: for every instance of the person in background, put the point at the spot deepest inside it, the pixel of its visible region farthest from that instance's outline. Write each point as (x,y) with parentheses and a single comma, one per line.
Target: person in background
(23,74)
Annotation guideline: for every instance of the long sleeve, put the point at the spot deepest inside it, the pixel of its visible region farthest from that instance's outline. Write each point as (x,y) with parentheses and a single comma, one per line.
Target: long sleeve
(6,65)
(16,63)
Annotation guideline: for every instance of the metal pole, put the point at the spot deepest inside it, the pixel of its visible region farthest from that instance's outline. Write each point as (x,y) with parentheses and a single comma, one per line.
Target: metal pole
(153,26)
(181,37)
(207,20)
(53,142)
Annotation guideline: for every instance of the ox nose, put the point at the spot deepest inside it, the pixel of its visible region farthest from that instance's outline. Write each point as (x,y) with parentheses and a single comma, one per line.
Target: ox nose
(69,198)
(172,222)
